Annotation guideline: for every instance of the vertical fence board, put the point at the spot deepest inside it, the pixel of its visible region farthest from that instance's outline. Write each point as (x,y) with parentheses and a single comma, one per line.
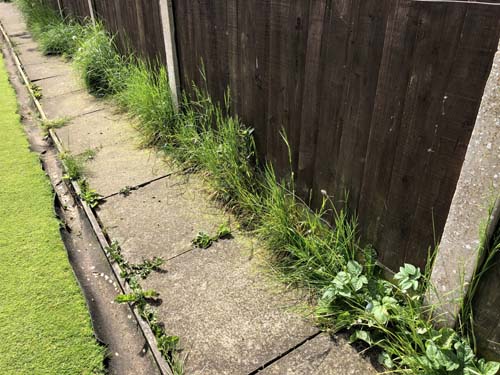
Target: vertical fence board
(358,87)
(78,9)
(136,26)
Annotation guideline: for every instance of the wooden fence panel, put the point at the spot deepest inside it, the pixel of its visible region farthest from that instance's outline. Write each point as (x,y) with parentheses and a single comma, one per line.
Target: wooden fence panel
(377,98)
(136,25)
(52,4)
(78,9)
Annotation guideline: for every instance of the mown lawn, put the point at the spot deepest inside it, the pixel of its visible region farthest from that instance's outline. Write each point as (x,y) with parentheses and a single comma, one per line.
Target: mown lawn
(44,323)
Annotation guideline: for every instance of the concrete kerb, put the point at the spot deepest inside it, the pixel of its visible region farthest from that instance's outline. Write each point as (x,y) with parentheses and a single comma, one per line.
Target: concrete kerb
(125,288)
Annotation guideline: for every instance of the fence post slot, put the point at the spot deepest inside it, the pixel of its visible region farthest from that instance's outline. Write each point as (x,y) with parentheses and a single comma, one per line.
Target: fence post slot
(91,10)
(168,26)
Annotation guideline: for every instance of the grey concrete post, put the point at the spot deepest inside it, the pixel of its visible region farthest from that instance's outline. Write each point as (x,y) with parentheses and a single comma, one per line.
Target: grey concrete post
(91,10)
(478,189)
(168,25)
(60,8)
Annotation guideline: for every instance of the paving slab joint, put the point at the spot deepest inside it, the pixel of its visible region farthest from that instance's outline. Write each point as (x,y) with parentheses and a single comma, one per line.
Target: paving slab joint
(283,354)
(141,185)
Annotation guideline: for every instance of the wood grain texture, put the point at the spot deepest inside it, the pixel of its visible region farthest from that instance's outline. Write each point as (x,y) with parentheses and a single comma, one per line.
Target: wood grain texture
(377,98)
(78,9)
(136,26)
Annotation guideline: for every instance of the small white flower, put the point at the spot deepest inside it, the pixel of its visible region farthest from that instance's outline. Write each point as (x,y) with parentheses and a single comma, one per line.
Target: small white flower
(323,191)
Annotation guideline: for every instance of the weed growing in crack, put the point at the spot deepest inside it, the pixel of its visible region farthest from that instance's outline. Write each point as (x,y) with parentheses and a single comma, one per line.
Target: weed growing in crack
(37,91)
(167,344)
(204,240)
(46,125)
(142,296)
(74,166)
(89,196)
(125,191)
(143,270)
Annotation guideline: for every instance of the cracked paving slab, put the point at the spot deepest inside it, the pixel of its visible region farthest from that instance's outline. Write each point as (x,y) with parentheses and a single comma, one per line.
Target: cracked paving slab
(56,86)
(170,215)
(96,130)
(118,166)
(21,38)
(71,105)
(49,69)
(230,317)
(322,355)
(30,54)
(217,300)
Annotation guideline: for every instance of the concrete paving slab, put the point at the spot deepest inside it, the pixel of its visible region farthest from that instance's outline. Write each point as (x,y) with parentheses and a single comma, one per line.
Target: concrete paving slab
(20,38)
(116,166)
(54,68)
(322,355)
(95,131)
(170,213)
(71,105)
(57,86)
(30,54)
(12,19)
(230,318)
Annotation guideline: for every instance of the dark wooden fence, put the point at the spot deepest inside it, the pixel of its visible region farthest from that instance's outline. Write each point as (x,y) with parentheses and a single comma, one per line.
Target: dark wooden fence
(136,24)
(76,9)
(378,98)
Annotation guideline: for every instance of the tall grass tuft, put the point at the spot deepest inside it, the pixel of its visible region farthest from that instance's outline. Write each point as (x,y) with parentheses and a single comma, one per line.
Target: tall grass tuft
(62,38)
(39,17)
(102,68)
(146,95)
(55,35)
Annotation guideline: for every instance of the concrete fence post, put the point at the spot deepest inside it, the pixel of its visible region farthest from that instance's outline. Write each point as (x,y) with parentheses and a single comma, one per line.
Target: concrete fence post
(168,26)
(60,8)
(91,11)
(474,211)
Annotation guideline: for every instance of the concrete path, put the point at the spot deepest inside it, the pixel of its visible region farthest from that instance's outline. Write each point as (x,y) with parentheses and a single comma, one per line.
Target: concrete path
(231,317)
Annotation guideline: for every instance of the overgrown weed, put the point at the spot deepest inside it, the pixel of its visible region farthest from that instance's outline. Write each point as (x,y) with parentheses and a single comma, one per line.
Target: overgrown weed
(204,240)
(46,125)
(101,67)
(62,38)
(487,258)
(146,96)
(167,344)
(55,35)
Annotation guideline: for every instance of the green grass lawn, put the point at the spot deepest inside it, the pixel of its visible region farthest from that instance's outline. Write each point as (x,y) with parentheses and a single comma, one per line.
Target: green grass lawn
(44,323)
